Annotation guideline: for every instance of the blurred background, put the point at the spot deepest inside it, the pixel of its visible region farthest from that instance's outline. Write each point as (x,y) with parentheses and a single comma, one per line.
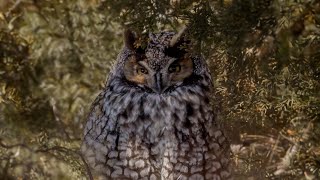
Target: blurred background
(264,56)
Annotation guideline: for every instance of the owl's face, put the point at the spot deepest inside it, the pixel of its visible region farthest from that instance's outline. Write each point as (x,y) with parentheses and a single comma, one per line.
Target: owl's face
(161,66)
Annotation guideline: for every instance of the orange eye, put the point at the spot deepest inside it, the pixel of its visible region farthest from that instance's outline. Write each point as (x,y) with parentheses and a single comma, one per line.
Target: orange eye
(142,70)
(174,68)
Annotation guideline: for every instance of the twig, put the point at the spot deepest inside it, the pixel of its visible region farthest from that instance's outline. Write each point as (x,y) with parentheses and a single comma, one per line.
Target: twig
(86,165)
(273,149)
(58,120)
(16,4)
(14,146)
(291,152)
(47,150)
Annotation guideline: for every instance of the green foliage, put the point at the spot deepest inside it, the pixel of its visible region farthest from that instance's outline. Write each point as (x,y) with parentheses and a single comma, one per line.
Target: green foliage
(264,56)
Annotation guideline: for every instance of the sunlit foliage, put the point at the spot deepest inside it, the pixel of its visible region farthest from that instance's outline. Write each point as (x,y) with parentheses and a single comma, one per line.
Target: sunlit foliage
(264,56)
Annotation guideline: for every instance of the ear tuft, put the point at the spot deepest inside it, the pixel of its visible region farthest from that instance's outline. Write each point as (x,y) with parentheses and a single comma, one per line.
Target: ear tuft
(129,39)
(178,37)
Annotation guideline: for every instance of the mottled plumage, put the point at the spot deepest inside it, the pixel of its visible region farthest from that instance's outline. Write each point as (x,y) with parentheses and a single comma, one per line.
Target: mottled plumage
(153,120)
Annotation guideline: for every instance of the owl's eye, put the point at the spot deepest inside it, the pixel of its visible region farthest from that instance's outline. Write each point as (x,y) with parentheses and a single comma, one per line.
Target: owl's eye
(174,68)
(142,70)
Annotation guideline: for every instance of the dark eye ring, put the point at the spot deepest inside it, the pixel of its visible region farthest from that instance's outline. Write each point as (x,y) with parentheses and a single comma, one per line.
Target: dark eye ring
(142,70)
(174,68)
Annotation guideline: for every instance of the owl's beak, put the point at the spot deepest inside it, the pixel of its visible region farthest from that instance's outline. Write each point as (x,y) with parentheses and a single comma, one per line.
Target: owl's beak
(158,85)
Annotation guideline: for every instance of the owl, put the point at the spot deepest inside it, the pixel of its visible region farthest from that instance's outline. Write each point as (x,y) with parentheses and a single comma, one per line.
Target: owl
(153,120)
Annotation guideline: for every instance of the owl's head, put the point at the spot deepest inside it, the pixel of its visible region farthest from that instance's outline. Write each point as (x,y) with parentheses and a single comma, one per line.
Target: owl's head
(160,62)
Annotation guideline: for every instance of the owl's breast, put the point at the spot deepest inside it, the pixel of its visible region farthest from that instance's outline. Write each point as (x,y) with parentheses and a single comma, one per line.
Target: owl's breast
(139,134)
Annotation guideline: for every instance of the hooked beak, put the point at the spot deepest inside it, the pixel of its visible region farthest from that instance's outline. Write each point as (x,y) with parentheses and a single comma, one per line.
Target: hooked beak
(158,85)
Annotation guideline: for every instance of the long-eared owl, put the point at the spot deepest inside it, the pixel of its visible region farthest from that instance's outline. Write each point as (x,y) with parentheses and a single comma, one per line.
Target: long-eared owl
(153,119)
